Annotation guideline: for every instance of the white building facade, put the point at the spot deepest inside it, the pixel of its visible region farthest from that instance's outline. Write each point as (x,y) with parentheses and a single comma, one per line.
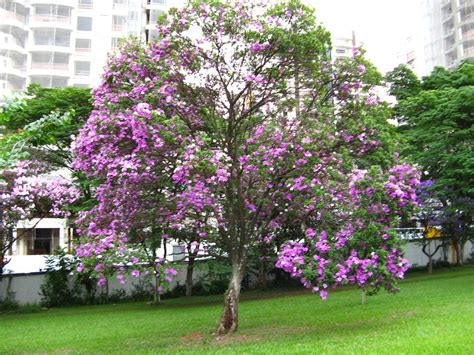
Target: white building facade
(58,43)
(449,32)
(36,239)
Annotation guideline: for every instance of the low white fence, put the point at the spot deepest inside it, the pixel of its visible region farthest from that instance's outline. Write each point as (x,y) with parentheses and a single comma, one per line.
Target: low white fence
(26,287)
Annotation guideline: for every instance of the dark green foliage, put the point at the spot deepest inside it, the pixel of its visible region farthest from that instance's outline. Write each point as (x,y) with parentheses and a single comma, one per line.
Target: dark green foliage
(437,117)
(439,130)
(40,124)
(57,291)
(42,101)
(9,303)
(402,82)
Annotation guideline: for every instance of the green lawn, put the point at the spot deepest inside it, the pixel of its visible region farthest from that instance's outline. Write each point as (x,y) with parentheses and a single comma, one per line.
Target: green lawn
(432,315)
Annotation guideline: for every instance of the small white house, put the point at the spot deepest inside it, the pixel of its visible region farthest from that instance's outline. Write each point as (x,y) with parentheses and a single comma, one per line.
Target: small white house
(36,239)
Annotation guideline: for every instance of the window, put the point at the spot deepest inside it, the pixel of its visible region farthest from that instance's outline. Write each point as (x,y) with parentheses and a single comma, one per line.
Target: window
(119,4)
(84,23)
(340,51)
(41,241)
(50,12)
(154,15)
(51,37)
(59,82)
(115,42)
(83,45)
(156,2)
(179,252)
(118,23)
(85,4)
(82,68)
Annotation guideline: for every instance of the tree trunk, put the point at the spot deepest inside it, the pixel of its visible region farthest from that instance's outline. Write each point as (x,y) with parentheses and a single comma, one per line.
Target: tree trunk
(460,252)
(262,273)
(157,293)
(189,276)
(430,264)
(230,314)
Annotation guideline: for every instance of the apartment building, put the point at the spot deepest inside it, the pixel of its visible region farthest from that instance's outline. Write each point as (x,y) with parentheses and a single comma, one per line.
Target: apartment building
(449,32)
(58,43)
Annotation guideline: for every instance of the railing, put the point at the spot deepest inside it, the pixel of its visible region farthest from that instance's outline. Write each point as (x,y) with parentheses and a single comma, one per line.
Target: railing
(51,18)
(467,34)
(12,40)
(18,66)
(156,2)
(15,66)
(117,28)
(5,14)
(410,233)
(466,18)
(83,50)
(50,66)
(82,73)
(468,53)
(463,3)
(119,5)
(85,5)
(52,43)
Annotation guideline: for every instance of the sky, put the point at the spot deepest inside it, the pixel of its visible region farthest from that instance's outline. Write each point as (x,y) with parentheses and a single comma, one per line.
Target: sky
(382,25)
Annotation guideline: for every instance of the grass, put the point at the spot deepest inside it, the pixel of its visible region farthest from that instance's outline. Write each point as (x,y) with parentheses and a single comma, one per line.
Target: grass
(432,314)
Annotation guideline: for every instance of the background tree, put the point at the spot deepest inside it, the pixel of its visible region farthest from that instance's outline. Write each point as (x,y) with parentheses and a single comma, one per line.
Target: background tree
(431,216)
(26,193)
(437,131)
(236,113)
(40,123)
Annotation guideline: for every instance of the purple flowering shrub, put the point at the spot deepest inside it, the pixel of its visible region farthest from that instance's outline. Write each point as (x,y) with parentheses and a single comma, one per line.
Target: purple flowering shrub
(359,247)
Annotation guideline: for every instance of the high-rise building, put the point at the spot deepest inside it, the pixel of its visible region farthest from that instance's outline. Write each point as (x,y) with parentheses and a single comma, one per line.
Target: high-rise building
(449,32)
(57,43)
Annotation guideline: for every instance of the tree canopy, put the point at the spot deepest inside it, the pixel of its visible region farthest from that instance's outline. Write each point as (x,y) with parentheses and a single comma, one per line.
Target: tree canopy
(40,124)
(233,125)
(437,129)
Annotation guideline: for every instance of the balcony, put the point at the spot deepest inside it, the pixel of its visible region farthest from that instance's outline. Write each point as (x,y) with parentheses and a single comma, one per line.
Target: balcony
(118,28)
(13,19)
(48,80)
(12,84)
(156,4)
(466,19)
(68,3)
(120,8)
(468,53)
(57,69)
(51,47)
(465,3)
(83,51)
(51,20)
(467,34)
(10,43)
(85,5)
(18,70)
(82,73)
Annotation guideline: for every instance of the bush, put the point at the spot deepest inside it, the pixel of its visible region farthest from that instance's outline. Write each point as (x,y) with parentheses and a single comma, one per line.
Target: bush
(142,291)
(9,303)
(55,290)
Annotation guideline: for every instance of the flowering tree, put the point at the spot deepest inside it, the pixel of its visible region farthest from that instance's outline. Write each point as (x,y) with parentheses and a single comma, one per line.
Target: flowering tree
(233,124)
(25,193)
